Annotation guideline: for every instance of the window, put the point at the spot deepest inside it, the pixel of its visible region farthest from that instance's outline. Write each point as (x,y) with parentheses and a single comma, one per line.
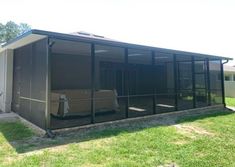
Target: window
(227,78)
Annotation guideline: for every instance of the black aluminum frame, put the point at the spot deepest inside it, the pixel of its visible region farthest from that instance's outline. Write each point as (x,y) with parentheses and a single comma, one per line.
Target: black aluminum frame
(126,85)
(126,79)
(92,82)
(48,85)
(154,82)
(208,82)
(175,82)
(193,82)
(222,82)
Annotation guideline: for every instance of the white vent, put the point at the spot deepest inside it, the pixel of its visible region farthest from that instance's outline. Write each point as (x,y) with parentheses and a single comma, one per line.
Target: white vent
(83,33)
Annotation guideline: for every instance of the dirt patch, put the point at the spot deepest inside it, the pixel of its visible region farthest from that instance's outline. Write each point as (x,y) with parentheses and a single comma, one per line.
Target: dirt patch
(59,148)
(180,142)
(200,154)
(98,143)
(169,165)
(91,165)
(192,129)
(9,159)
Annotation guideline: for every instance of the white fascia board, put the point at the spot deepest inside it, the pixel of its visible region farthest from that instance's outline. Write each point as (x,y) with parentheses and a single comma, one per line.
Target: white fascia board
(23,41)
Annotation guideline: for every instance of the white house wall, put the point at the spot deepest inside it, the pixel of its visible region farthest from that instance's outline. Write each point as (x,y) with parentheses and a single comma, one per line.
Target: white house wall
(2,79)
(6,74)
(229,87)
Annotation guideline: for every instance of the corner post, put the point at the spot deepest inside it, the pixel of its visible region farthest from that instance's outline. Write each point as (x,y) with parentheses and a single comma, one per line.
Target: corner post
(175,82)
(154,82)
(48,84)
(126,78)
(208,82)
(92,83)
(222,82)
(193,82)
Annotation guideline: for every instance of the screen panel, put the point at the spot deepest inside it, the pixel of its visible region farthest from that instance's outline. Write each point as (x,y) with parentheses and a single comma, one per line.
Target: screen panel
(201,83)
(110,96)
(185,82)
(215,75)
(215,82)
(39,67)
(16,82)
(164,82)
(25,54)
(140,82)
(70,84)
(29,77)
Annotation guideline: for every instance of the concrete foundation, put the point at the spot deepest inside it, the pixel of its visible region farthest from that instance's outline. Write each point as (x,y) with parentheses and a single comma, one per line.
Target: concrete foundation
(165,118)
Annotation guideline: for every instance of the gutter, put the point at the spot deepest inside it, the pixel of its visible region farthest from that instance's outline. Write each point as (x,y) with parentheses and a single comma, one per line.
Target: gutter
(227,60)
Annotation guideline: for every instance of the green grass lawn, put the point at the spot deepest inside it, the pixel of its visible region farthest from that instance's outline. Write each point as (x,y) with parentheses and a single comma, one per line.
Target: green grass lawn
(230,101)
(207,140)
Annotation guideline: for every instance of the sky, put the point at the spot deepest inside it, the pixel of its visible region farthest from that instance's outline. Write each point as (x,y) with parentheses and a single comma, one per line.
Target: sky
(203,26)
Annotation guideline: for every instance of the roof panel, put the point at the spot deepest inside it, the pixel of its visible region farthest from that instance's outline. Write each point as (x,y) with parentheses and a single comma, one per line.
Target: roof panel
(35,34)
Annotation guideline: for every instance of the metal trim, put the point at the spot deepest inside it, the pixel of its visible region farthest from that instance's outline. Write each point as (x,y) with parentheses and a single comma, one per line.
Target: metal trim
(193,82)
(31,99)
(222,82)
(48,85)
(92,83)
(154,82)
(208,82)
(126,81)
(175,82)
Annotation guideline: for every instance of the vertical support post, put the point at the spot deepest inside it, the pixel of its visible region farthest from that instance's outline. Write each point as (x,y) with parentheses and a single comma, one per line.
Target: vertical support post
(154,82)
(193,82)
(92,83)
(208,82)
(175,82)
(222,82)
(48,84)
(126,78)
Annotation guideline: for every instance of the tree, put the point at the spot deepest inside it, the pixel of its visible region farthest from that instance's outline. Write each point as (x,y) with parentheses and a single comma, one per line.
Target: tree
(11,30)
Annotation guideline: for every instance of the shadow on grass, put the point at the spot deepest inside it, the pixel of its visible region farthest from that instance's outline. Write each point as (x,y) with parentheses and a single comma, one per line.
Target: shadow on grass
(23,140)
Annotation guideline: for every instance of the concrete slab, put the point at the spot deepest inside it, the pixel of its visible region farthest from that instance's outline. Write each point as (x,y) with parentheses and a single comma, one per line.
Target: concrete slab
(12,117)
(230,108)
(8,116)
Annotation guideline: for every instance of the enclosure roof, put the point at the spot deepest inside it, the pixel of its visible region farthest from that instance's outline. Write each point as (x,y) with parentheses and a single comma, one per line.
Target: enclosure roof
(35,35)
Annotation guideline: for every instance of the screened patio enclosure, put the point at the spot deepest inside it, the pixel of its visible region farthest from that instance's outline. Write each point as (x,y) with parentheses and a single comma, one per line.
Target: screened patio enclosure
(64,81)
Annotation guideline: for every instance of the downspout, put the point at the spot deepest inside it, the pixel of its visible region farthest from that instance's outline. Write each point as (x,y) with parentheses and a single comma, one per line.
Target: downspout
(49,133)
(227,60)
(222,80)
